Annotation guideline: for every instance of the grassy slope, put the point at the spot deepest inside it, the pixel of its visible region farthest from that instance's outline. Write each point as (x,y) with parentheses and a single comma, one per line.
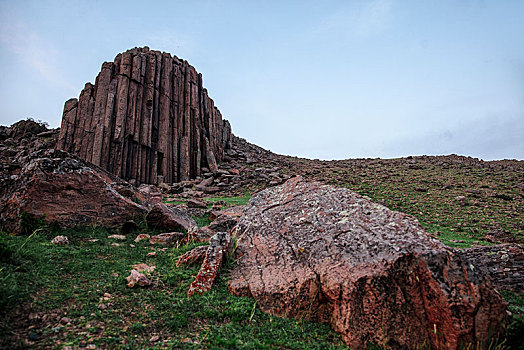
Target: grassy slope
(71,282)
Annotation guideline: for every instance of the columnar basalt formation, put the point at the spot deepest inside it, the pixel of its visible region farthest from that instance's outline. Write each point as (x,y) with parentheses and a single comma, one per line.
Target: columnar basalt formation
(147,118)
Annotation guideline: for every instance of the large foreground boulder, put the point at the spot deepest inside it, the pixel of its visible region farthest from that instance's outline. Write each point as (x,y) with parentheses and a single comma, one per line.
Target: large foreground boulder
(55,187)
(326,253)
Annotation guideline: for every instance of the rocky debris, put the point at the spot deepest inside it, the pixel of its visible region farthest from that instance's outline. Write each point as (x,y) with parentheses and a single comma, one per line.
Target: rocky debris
(225,220)
(193,203)
(219,245)
(119,237)
(55,187)
(146,118)
(164,217)
(199,234)
(60,240)
(167,238)
(137,278)
(141,237)
(311,250)
(503,263)
(194,256)
(144,268)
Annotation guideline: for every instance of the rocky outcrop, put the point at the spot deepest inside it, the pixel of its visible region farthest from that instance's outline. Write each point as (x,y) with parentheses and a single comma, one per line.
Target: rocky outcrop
(147,118)
(53,187)
(504,263)
(326,253)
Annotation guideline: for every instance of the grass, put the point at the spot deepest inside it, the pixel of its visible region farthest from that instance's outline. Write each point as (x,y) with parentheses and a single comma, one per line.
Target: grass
(50,283)
(53,283)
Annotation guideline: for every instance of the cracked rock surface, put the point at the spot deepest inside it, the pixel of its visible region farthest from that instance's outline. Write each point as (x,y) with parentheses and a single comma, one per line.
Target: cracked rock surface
(326,253)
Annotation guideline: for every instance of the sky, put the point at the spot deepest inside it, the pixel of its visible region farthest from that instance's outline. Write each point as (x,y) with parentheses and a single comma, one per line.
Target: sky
(316,79)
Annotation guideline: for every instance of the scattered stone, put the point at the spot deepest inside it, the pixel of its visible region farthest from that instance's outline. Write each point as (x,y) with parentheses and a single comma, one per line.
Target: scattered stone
(326,253)
(144,268)
(137,278)
(151,254)
(141,237)
(219,245)
(116,244)
(199,234)
(194,256)
(60,240)
(154,339)
(193,203)
(119,237)
(162,216)
(167,238)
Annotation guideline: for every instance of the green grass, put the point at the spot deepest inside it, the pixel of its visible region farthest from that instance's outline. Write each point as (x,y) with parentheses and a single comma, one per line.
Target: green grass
(70,281)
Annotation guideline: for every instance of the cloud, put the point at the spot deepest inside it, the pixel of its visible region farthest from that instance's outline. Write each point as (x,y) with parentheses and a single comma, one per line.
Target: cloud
(16,38)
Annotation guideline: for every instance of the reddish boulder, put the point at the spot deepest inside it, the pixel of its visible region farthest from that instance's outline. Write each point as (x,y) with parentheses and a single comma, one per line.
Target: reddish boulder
(196,255)
(318,251)
(219,245)
(55,187)
(167,238)
(162,216)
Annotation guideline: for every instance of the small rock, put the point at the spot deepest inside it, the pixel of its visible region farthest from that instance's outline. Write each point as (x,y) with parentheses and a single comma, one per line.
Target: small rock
(115,244)
(60,240)
(193,203)
(119,237)
(141,237)
(102,306)
(167,238)
(151,254)
(144,268)
(154,338)
(137,278)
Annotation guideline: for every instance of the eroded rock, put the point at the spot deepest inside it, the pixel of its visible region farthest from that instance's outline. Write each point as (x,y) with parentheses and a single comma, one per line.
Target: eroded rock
(326,253)
(55,187)
(219,245)
(162,216)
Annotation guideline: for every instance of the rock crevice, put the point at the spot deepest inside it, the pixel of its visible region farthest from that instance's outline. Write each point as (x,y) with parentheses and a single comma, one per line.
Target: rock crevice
(147,118)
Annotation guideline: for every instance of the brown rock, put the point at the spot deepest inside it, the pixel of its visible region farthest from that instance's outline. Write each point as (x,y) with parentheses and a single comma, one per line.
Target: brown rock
(137,278)
(162,216)
(312,250)
(142,237)
(167,238)
(147,118)
(54,187)
(219,245)
(193,203)
(194,256)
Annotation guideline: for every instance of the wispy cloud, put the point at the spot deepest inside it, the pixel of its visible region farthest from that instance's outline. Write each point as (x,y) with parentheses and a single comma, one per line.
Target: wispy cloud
(18,39)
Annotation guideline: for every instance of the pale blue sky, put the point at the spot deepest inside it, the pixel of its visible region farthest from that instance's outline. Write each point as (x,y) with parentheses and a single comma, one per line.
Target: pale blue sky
(318,79)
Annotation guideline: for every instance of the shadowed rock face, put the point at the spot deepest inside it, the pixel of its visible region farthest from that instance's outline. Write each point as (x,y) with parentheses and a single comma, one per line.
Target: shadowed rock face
(57,188)
(312,250)
(147,118)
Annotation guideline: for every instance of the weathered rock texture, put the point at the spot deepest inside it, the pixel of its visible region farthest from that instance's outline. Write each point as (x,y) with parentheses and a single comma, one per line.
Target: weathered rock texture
(312,250)
(147,118)
(54,187)
(504,263)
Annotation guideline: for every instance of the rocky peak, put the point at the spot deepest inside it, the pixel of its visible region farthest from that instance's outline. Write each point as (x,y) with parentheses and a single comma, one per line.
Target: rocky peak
(148,119)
